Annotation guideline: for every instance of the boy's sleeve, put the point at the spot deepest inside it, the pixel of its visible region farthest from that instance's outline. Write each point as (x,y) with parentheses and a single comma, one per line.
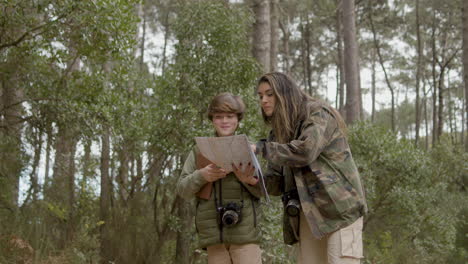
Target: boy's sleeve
(190,180)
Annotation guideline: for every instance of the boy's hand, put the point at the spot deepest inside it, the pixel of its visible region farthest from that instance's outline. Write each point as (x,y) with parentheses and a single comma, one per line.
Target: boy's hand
(213,173)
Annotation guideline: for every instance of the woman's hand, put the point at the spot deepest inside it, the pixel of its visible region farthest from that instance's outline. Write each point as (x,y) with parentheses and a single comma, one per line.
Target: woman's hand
(245,175)
(254,148)
(213,173)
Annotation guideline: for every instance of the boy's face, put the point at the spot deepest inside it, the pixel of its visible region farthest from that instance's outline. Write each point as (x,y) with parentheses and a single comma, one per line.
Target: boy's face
(225,124)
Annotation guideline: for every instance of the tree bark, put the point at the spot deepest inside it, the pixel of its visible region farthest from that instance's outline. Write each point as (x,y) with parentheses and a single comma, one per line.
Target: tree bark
(86,161)
(418,73)
(274,34)
(123,176)
(143,37)
(308,62)
(11,115)
(340,61)
(285,42)
(166,38)
(373,88)
(105,201)
(426,122)
(440,112)
(464,112)
(183,245)
(62,191)
(47,161)
(465,65)
(351,63)
(381,61)
(434,84)
(37,157)
(262,34)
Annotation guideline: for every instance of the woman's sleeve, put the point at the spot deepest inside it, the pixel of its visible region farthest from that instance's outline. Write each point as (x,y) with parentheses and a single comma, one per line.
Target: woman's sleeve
(190,180)
(301,152)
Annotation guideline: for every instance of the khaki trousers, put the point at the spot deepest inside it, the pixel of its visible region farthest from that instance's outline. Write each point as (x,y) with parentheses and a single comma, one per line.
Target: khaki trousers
(343,246)
(234,254)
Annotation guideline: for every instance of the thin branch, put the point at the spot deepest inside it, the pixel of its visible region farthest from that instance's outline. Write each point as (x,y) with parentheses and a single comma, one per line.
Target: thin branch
(29,32)
(30,100)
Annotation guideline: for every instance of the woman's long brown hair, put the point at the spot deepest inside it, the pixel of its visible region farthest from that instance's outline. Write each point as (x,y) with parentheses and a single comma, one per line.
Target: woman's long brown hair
(291,106)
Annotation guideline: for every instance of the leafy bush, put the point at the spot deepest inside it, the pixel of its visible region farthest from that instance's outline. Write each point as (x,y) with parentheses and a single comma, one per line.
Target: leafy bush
(412,197)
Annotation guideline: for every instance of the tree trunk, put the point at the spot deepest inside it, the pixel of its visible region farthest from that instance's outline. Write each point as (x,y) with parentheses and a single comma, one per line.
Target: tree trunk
(123,171)
(308,62)
(351,62)
(340,61)
(11,115)
(34,173)
(303,58)
(86,162)
(434,85)
(105,198)
(426,122)
(381,61)
(464,117)
(274,35)
(418,73)
(465,65)
(143,37)
(451,113)
(183,247)
(286,53)
(440,111)
(62,192)
(166,38)
(373,88)
(62,189)
(262,34)
(47,161)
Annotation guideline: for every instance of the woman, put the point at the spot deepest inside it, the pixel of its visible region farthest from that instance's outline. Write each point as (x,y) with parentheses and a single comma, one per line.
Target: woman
(310,164)
(227,213)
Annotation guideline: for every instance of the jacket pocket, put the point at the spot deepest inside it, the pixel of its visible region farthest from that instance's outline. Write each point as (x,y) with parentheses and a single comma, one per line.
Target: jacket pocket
(334,196)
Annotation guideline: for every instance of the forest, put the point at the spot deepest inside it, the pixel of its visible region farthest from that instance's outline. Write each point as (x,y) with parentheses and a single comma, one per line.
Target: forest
(100,102)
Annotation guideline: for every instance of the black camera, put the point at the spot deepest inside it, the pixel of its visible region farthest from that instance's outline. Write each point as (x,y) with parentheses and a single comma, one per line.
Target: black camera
(292,203)
(230,214)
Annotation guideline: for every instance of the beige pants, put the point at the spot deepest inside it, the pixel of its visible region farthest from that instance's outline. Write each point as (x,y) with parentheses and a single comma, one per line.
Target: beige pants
(234,254)
(340,247)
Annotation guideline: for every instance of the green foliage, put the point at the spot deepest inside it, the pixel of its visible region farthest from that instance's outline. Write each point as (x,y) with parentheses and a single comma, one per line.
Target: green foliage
(415,197)
(274,249)
(211,56)
(413,208)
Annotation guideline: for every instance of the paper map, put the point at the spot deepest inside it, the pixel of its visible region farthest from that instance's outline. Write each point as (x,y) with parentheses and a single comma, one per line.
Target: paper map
(224,151)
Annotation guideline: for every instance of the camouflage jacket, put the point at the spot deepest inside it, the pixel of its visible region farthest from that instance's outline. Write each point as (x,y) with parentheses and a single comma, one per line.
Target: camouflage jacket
(318,162)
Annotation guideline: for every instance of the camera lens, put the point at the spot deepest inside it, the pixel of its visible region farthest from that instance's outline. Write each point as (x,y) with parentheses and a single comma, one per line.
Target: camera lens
(293,207)
(230,217)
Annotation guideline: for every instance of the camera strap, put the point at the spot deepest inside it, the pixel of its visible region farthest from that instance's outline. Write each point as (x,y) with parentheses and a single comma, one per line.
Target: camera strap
(219,206)
(242,195)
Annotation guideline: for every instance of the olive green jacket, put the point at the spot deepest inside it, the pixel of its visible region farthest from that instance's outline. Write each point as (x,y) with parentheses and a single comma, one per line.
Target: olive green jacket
(206,218)
(318,162)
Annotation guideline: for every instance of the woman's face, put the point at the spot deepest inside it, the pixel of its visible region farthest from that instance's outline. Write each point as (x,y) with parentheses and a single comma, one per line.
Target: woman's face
(225,124)
(267,98)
